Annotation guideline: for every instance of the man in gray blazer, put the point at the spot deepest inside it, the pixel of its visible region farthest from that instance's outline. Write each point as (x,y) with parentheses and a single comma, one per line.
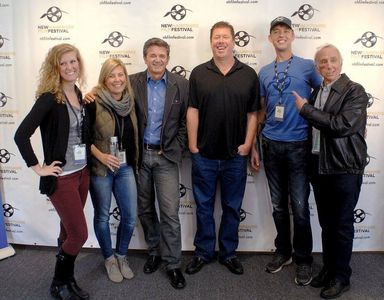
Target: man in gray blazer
(161,100)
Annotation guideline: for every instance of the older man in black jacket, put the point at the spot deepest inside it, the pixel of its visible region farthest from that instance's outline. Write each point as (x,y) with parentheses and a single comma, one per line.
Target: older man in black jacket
(337,113)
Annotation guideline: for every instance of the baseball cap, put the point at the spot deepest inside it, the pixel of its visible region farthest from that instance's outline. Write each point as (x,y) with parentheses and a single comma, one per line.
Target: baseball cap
(280,20)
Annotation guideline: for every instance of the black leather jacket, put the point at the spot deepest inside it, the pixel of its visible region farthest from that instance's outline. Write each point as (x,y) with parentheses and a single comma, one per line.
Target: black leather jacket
(342,127)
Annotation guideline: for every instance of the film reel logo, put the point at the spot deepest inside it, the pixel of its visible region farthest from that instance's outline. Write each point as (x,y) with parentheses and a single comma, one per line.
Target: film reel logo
(368,39)
(305,12)
(2,40)
(177,12)
(359,215)
(368,159)
(115,213)
(3,99)
(243,215)
(53,14)
(115,39)
(5,156)
(371,100)
(8,210)
(180,71)
(183,190)
(242,38)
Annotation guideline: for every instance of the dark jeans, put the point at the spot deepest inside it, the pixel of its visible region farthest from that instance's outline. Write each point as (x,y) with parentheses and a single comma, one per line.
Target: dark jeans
(286,168)
(69,200)
(232,174)
(159,179)
(336,197)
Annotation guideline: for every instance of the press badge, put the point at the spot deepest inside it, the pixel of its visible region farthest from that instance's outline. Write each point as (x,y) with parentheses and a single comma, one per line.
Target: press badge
(79,154)
(122,158)
(279,112)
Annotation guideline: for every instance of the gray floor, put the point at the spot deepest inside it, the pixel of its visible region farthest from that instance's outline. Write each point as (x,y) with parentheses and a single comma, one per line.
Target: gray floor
(27,275)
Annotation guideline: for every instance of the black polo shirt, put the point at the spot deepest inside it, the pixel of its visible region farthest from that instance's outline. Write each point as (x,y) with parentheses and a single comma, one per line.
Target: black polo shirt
(223,103)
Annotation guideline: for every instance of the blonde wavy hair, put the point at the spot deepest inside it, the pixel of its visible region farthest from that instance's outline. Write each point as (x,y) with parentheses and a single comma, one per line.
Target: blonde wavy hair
(49,75)
(108,66)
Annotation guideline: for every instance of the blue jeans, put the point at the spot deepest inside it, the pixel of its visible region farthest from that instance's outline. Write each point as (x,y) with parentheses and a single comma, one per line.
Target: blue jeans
(122,184)
(286,167)
(232,174)
(159,179)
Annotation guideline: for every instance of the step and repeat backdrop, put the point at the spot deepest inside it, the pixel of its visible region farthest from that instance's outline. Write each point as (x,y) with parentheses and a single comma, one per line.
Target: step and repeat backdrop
(109,28)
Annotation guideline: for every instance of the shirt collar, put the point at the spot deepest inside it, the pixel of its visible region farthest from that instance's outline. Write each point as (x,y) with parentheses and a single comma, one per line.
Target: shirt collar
(329,85)
(164,78)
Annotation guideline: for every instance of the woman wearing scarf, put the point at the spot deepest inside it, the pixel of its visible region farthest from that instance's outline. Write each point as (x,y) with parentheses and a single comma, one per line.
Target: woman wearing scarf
(113,115)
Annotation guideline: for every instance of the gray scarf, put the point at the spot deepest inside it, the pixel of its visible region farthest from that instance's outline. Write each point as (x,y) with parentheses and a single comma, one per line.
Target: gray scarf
(122,107)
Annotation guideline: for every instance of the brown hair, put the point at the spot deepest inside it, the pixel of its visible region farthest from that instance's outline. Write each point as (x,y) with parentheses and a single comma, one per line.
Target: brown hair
(222,24)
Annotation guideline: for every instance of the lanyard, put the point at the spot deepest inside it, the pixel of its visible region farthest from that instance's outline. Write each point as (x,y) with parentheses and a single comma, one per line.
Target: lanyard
(79,122)
(120,129)
(281,83)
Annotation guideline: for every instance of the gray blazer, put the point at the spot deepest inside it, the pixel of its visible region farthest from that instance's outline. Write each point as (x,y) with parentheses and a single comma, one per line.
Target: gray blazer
(173,133)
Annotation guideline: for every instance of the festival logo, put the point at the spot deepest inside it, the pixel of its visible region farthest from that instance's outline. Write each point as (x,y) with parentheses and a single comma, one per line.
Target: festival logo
(368,39)
(359,216)
(177,12)
(243,215)
(180,70)
(6,116)
(242,38)
(115,39)
(178,31)
(305,12)
(53,14)
(305,30)
(3,99)
(371,100)
(6,57)
(370,56)
(187,204)
(246,54)
(54,31)
(2,40)
(5,156)
(115,213)
(8,210)
(362,231)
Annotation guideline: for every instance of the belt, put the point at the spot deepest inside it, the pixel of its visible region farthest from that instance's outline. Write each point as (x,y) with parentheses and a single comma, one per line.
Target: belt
(152,147)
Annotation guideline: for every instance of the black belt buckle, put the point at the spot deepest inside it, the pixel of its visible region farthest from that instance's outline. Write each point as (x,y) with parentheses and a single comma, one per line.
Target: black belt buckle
(151,147)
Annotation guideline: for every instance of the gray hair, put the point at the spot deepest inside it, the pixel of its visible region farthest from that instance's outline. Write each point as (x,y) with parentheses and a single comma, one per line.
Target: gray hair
(319,49)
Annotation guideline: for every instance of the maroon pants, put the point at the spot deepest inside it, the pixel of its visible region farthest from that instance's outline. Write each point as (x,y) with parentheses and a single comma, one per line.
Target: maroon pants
(69,199)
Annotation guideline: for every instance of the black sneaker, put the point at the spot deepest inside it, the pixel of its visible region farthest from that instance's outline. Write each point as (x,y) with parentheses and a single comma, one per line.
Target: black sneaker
(277,263)
(303,274)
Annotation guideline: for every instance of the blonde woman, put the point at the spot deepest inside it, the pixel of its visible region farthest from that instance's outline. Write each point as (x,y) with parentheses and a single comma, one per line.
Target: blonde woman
(112,114)
(63,122)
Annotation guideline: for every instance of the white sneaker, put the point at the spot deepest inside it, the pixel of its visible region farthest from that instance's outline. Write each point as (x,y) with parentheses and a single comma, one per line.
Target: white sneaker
(113,270)
(124,267)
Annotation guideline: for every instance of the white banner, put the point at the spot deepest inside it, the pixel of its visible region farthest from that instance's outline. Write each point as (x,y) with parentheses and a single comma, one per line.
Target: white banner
(100,29)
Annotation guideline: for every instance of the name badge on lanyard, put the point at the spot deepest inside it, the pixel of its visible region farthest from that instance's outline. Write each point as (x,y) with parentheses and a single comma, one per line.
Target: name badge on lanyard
(280,86)
(279,112)
(122,157)
(79,150)
(80,154)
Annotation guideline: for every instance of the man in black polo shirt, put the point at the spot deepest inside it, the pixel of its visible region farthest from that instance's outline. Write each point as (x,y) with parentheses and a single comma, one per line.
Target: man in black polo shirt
(221,125)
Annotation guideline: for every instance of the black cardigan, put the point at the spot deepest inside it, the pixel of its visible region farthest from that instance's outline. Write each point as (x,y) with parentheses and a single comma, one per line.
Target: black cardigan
(53,120)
